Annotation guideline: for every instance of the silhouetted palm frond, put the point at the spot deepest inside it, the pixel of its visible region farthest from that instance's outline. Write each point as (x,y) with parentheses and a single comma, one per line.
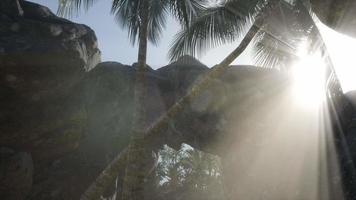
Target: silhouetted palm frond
(68,8)
(278,43)
(215,25)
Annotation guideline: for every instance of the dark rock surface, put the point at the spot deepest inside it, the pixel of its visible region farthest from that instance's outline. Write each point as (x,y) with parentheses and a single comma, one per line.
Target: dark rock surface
(43,60)
(16,174)
(41,39)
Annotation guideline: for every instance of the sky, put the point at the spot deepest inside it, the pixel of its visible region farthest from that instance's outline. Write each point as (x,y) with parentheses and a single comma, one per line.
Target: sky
(115,45)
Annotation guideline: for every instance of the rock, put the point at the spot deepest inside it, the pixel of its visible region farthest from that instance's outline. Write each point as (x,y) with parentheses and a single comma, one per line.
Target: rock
(16,174)
(43,61)
(41,65)
(15,27)
(55,30)
(75,49)
(337,14)
(11,7)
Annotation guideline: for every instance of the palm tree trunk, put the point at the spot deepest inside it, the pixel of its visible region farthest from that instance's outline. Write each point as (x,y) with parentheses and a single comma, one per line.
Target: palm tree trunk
(133,186)
(153,132)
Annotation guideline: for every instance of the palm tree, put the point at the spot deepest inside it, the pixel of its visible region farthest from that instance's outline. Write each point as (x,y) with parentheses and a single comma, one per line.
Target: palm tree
(108,175)
(144,20)
(276,39)
(208,30)
(212,27)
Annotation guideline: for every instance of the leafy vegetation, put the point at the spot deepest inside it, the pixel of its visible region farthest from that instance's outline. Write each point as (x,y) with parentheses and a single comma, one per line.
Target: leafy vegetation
(187,174)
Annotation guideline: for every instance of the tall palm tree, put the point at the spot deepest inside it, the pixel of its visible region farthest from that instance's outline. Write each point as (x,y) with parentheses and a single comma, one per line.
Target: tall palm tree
(144,20)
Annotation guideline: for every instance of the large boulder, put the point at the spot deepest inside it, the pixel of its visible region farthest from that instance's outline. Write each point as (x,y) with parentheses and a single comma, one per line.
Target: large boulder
(43,60)
(40,38)
(16,174)
(337,14)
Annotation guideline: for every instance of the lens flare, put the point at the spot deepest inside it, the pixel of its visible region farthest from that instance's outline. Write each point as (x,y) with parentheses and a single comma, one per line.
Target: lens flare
(309,81)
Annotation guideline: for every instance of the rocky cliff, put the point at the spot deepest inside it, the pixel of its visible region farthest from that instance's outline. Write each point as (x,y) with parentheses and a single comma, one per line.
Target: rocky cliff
(43,59)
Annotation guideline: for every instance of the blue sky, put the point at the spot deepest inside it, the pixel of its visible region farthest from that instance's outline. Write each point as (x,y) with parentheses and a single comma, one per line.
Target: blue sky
(115,46)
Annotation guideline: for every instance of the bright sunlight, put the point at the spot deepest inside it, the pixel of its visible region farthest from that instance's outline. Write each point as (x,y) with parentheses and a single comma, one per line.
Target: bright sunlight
(309,72)
(342,52)
(308,86)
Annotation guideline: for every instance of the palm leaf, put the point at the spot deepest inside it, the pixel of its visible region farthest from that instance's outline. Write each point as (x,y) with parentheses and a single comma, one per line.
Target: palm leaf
(68,8)
(288,27)
(157,20)
(214,26)
(127,15)
(186,10)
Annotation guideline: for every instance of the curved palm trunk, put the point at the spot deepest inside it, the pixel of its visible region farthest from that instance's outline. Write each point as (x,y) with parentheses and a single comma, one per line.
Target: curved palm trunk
(110,172)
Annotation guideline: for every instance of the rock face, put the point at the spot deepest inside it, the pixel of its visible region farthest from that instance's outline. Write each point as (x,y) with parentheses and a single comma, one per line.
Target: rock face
(43,59)
(236,99)
(39,38)
(16,174)
(337,14)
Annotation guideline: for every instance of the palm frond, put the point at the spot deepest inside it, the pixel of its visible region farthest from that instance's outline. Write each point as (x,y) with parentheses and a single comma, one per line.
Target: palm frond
(68,8)
(157,20)
(186,10)
(285,30)
(272,53)
(214,26)
(127,15)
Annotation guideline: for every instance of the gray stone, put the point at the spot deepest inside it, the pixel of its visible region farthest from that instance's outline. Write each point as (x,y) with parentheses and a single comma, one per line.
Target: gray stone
(15,27)
(42,110)
(337,14)
(75,49)
(55,30)
(16,174)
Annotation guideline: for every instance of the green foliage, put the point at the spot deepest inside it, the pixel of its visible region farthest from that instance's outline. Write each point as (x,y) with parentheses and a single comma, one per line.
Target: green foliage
(128,13)
(276,43)
(214,25)
(188,174)
(68,8)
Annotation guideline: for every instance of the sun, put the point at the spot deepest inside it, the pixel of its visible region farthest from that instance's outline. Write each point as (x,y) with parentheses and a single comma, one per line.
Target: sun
(309,81)
(309,72)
